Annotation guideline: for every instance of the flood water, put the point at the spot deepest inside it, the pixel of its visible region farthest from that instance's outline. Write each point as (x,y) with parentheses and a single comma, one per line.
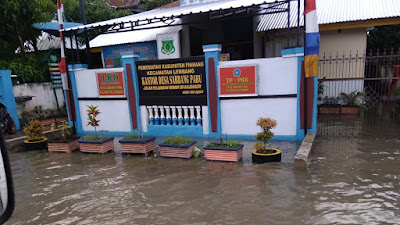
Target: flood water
(351,181)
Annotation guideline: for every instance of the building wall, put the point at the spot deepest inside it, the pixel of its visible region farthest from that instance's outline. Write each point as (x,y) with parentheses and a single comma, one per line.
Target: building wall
(343,41)
(43,96)
(276,76)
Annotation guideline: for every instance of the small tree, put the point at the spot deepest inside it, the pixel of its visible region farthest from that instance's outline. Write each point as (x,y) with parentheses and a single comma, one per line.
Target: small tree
(92,113)
(266,124)
(34,131)
(65,130)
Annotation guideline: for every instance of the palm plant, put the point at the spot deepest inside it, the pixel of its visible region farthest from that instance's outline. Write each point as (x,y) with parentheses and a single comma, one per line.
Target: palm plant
(352,99)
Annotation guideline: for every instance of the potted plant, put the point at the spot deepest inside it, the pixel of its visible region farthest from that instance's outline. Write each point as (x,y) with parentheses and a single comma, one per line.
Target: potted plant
(351,101)
(262,153)
(95,143)
(178,147)
(230,151)
(138,144)
(330,105)
(65,140)
(35,139)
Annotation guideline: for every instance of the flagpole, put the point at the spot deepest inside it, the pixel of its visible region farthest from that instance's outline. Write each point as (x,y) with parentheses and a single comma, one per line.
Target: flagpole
(304,75)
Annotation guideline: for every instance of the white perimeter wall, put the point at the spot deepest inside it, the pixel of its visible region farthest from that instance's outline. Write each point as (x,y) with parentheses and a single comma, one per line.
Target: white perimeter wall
(43,96)
(276,76)
(114,114)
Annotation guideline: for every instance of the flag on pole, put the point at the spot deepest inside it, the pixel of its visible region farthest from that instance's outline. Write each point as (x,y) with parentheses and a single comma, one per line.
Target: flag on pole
(312,39)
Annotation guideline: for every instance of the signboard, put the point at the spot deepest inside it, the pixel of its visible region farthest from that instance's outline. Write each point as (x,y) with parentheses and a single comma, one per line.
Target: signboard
(238,81)
(168,46)
(145,50)
(172,82)
(111,84)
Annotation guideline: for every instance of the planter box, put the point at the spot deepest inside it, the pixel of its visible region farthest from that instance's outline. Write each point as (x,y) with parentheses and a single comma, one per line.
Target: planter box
(328,110)
(97,146)
(177,151)
(143,146)
(349,110)
(35,145)
(223,154)
(63,146)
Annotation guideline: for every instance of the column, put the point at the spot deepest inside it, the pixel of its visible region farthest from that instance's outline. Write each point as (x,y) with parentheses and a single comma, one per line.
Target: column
(162,117)
(192,119)
(167,115)
(198,115)
(179,108)
(185,115)
(212,55)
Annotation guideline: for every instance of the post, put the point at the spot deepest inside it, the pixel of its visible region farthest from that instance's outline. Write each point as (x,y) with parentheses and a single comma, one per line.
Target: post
(212,55)
(132,89)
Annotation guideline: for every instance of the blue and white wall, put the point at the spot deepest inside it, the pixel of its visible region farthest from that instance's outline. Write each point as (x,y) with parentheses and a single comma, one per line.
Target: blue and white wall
(7,95)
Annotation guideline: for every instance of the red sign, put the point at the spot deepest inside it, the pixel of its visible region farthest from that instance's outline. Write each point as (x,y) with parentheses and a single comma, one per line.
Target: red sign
(111,84)
(238,81)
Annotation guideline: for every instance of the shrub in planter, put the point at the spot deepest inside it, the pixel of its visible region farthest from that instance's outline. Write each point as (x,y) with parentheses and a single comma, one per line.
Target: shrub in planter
(230,151)
(65,140)
(35,139)
(138,144)
(352,102)
(94,143)
(262,153)
(178,147)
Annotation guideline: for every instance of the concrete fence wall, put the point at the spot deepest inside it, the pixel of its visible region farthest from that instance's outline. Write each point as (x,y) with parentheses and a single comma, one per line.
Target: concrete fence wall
(43,96)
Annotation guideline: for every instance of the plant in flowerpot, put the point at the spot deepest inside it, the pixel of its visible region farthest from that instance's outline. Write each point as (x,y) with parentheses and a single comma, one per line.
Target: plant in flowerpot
(352,102)
(330,105)
(262,153)
(64,140)
(35,139)
(229,151)
(94,143)
(177,147)
(138,144)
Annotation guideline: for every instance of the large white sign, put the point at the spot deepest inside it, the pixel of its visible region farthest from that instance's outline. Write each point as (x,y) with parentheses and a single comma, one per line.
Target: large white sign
(168,46)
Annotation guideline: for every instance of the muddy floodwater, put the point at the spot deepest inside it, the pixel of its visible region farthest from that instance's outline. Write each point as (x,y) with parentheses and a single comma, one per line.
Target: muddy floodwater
(351,181)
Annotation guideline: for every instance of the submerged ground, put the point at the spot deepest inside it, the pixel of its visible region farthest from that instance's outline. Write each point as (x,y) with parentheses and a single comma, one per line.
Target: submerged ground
(351,181)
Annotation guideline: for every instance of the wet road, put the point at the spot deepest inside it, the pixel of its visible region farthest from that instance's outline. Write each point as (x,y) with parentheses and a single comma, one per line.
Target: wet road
(351,181)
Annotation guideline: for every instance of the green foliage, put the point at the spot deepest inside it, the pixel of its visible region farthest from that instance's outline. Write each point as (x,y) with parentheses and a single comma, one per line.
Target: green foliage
(16,19)
(352,99)
(65,130)
(30,69)
(34,131)
(178,140)
(266,124)
(92,113)
(321,86)
(132,137)
(95,11)
(94,138)
(152,4)
(384,37)
(228,144)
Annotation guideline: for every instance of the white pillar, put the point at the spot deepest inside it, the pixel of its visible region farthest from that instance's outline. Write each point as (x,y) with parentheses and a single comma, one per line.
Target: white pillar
(150,111)
(186,114)
(156,119)
(162,117)
(179,112)
(167,115)
(198,112)
(173,109)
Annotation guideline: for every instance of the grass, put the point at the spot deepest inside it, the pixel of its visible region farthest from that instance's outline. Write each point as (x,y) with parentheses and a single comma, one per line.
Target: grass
(229,144)
(94,138)
(132,137)
(178,140)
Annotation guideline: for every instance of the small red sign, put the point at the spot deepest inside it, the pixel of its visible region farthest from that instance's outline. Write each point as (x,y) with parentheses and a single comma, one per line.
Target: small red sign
(238,81)
(111,84)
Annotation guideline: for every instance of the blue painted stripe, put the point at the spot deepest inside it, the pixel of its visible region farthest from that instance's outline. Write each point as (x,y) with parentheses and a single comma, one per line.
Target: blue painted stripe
(223,148)
(82,140)
(138,141)
(312,44)
(178,146)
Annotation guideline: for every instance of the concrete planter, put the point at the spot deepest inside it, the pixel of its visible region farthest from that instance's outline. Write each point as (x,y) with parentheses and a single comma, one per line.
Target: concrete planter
(177,151)
(223,154)
(102,146)
(35,145)
(66,146)
(142,145)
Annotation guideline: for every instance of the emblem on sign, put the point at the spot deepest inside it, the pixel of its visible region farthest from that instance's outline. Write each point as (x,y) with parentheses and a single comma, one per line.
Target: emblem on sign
(168,47)
(237,72)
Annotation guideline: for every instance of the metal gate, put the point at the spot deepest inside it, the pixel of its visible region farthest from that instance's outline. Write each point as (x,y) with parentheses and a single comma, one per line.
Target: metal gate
(359,94)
